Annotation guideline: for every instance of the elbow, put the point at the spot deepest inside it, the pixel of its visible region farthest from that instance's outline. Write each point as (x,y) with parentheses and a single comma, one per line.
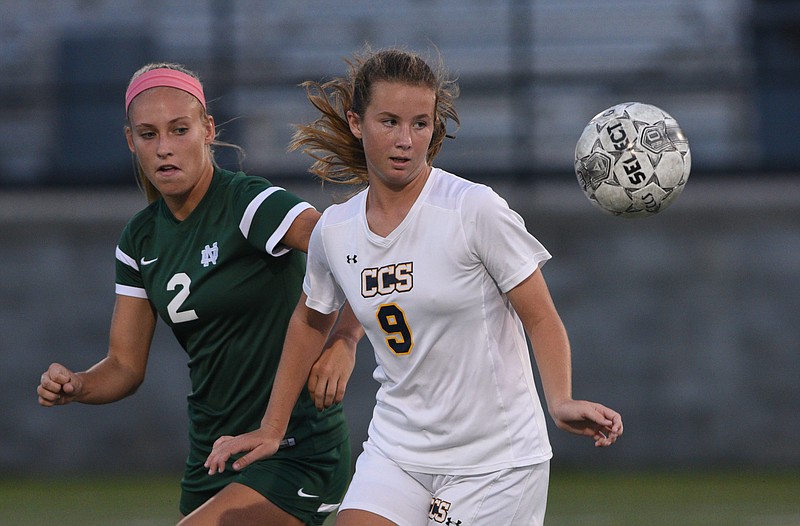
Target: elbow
(134,387)
(128,382)
(135,381)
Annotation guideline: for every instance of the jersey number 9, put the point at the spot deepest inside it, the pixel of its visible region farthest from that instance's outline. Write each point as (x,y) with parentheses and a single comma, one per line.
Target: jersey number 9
(393,323)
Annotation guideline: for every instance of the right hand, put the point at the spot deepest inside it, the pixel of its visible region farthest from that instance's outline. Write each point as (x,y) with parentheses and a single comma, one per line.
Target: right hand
(58,386)
(258,444)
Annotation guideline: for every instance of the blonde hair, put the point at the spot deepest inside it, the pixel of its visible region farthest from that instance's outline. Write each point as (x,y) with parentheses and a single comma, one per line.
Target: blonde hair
(143,182)
(338,155)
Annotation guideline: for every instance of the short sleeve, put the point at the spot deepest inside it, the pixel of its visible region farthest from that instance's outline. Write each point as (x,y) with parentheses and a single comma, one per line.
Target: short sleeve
(320,286)
(497,236)
(128,280)
(266,213)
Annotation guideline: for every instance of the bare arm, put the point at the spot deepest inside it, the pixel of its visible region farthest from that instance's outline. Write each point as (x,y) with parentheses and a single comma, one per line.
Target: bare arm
(298,234)
(117,375)
(532,302)
(307,332)
(328,378)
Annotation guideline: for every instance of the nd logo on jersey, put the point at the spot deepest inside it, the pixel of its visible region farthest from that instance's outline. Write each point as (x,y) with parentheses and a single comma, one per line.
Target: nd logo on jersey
(209,255)
(386,280)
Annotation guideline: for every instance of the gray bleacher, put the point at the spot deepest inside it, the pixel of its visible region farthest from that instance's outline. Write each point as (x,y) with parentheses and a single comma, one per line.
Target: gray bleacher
(532,74)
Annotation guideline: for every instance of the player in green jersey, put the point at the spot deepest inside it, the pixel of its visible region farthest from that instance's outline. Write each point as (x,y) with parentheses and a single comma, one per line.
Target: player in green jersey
(219,257)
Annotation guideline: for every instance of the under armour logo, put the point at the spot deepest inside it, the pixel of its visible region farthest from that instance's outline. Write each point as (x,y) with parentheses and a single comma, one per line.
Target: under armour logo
(352,259)
(209,255)
(450,522)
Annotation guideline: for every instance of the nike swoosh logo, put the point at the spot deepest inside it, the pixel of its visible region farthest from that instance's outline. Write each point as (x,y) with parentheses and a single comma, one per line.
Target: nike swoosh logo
(301,493)
(147,261)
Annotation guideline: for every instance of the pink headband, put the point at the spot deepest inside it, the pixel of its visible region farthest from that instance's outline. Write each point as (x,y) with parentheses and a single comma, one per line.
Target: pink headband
(164,77)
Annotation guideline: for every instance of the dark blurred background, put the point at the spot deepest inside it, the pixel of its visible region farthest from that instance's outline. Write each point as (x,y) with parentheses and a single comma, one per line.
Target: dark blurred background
(532,74)
(687,322)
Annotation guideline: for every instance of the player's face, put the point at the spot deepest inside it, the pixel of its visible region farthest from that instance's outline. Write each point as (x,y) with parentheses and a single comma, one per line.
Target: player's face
(396,130)
(170,138)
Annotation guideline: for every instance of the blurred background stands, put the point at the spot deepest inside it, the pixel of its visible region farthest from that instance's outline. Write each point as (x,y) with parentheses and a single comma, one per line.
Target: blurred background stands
(532,74)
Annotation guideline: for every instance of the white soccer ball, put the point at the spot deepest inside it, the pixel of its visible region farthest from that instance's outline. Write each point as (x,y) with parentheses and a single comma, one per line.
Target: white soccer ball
(632,160)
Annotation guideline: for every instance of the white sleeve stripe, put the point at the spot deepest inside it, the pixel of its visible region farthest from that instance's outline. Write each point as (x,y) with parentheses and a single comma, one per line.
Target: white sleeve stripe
(126,259)
(136,292)
(252,208)
(274,240)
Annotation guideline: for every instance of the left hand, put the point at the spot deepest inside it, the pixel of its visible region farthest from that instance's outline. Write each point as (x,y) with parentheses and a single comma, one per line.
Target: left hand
(329,375)
(261,443)
(582,417)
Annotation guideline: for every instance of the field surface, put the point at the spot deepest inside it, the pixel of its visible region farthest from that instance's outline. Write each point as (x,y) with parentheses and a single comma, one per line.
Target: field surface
(618,499)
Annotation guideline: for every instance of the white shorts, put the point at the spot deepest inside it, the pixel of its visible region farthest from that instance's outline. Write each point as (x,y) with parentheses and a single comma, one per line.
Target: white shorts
(511,497)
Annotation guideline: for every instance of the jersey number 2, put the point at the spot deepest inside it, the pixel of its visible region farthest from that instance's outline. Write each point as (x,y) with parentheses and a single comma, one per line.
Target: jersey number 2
(393,322)
(175,314)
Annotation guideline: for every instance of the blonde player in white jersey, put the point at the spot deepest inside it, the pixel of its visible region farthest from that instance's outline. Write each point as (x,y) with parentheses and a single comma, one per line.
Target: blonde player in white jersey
(447,282)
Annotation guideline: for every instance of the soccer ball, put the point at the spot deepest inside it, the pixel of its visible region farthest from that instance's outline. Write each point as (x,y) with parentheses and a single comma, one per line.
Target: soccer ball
(632,160)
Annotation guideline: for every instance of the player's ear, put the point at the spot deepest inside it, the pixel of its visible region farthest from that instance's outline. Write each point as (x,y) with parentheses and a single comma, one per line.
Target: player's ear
(129,138)
(354,121)
(210,128)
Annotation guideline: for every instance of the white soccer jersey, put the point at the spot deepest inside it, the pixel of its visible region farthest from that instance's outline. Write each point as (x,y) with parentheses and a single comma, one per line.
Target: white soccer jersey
(456,394)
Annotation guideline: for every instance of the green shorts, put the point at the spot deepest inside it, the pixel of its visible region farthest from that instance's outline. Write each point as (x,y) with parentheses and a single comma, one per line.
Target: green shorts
(308,486)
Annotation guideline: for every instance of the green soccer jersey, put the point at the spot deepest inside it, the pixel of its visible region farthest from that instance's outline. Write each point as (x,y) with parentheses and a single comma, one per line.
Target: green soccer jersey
(226,287)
